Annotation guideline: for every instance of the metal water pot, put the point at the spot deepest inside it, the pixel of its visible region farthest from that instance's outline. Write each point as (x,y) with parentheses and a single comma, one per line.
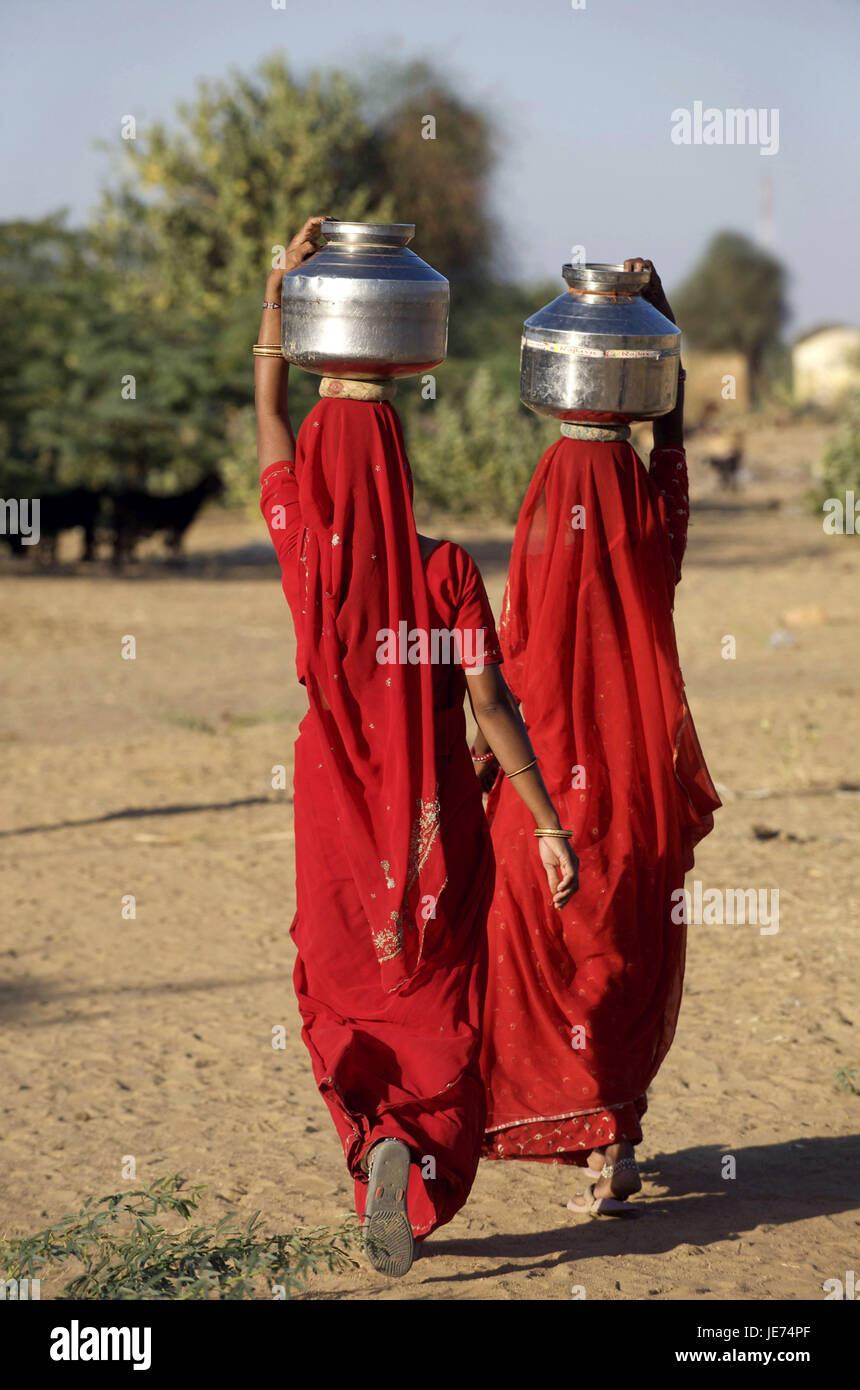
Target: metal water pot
(600,352)
(365,307)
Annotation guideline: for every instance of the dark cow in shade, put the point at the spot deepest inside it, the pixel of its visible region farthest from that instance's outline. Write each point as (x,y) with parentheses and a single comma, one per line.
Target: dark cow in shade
(63,511)
(137,514)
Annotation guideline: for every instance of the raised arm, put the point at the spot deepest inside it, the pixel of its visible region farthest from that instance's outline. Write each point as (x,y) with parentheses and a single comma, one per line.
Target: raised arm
(668,429)
(500,722)
(275,439)
(668,467)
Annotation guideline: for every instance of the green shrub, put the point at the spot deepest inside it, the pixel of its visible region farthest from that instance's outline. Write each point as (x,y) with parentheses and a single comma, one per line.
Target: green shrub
(119,1253)
(839,467)
(474,449)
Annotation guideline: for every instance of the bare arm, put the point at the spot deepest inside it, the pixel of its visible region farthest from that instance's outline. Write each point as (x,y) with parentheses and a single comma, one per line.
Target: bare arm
(501,724)
(275,438)
(486,767)
(668,429)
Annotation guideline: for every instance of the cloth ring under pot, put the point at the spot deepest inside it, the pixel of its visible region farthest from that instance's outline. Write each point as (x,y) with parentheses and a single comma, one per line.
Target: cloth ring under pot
(574,430)
(339,388)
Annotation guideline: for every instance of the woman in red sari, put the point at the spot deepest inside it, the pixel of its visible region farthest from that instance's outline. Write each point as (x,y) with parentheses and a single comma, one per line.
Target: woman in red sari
(394,865)
(581,1008)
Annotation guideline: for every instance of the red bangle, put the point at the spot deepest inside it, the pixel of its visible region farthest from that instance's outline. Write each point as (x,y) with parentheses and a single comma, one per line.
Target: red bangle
(481,757)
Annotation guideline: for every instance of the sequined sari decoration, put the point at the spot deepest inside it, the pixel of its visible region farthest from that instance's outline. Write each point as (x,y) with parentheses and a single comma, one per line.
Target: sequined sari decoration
(582,1004)
(363,575)
(394,866)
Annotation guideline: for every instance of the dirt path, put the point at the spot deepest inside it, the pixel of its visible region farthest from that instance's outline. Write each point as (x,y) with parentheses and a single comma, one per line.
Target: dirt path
(151,1036)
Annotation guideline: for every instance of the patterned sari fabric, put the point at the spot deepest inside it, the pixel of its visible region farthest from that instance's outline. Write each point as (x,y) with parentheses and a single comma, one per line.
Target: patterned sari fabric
(394,865)
(582,1004)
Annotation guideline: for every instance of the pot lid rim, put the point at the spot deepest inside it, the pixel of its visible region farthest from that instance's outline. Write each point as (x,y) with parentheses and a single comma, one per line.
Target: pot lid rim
(368,233)
(605,273)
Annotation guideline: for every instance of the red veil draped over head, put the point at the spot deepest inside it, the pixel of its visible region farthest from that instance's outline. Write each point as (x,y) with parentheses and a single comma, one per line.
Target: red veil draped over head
(362,574)
(582,1004)
(394,865)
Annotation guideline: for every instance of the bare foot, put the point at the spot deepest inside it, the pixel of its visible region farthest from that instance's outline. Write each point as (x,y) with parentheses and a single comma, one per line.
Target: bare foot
(621,1184)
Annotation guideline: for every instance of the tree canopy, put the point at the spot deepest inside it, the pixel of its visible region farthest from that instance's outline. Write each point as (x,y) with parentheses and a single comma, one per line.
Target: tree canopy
(89,393)
(195,210)
(437,153)
(124,347)
(734,300)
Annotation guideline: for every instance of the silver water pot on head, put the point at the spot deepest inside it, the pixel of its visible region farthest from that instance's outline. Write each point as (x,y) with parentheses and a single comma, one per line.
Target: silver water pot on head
(365,307)
(600,353)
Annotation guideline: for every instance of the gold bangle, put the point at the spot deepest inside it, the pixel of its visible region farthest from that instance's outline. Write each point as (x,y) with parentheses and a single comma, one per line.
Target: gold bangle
(267,350)
(521,769)
(560,834)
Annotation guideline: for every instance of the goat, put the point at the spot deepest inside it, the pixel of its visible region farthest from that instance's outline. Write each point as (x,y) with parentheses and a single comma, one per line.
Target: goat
(722,449)
(726,462)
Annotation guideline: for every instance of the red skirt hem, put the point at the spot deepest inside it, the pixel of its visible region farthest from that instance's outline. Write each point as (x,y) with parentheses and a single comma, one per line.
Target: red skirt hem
(567,1139)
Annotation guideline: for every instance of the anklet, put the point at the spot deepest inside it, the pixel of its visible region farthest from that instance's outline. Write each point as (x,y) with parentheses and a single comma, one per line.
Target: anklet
(610,1168)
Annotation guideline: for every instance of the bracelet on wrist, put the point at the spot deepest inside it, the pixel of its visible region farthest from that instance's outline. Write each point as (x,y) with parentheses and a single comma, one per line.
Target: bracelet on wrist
(556,834)
(481,757)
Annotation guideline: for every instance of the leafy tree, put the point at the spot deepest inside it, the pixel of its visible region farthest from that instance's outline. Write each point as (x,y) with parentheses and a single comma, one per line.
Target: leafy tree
(196,209)
(70,411)
(161,288)
(436,154)
(734,301)
(487,324)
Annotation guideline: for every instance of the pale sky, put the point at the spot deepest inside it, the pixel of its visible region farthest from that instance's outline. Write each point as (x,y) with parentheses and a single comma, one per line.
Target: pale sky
(583,98)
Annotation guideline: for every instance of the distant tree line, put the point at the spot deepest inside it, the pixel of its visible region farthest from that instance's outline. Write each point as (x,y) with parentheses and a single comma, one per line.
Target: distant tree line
(124,346)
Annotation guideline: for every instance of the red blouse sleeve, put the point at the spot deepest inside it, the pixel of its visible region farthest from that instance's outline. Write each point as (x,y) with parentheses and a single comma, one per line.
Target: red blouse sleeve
(668,469)
(279,503)
(474,620)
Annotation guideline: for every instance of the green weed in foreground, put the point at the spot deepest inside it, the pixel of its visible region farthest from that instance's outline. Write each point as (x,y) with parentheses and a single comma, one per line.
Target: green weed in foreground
(845,1079)
(189,721)
(123,1254)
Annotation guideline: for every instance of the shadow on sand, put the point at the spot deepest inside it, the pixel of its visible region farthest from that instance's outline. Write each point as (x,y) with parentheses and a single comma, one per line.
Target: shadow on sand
(774,1186)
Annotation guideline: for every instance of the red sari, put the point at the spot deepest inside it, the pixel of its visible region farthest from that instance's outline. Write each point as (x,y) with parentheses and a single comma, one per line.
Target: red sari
(394,866)
(582,1004)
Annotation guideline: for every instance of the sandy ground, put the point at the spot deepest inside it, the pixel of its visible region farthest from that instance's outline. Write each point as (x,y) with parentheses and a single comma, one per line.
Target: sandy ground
(151,1037)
